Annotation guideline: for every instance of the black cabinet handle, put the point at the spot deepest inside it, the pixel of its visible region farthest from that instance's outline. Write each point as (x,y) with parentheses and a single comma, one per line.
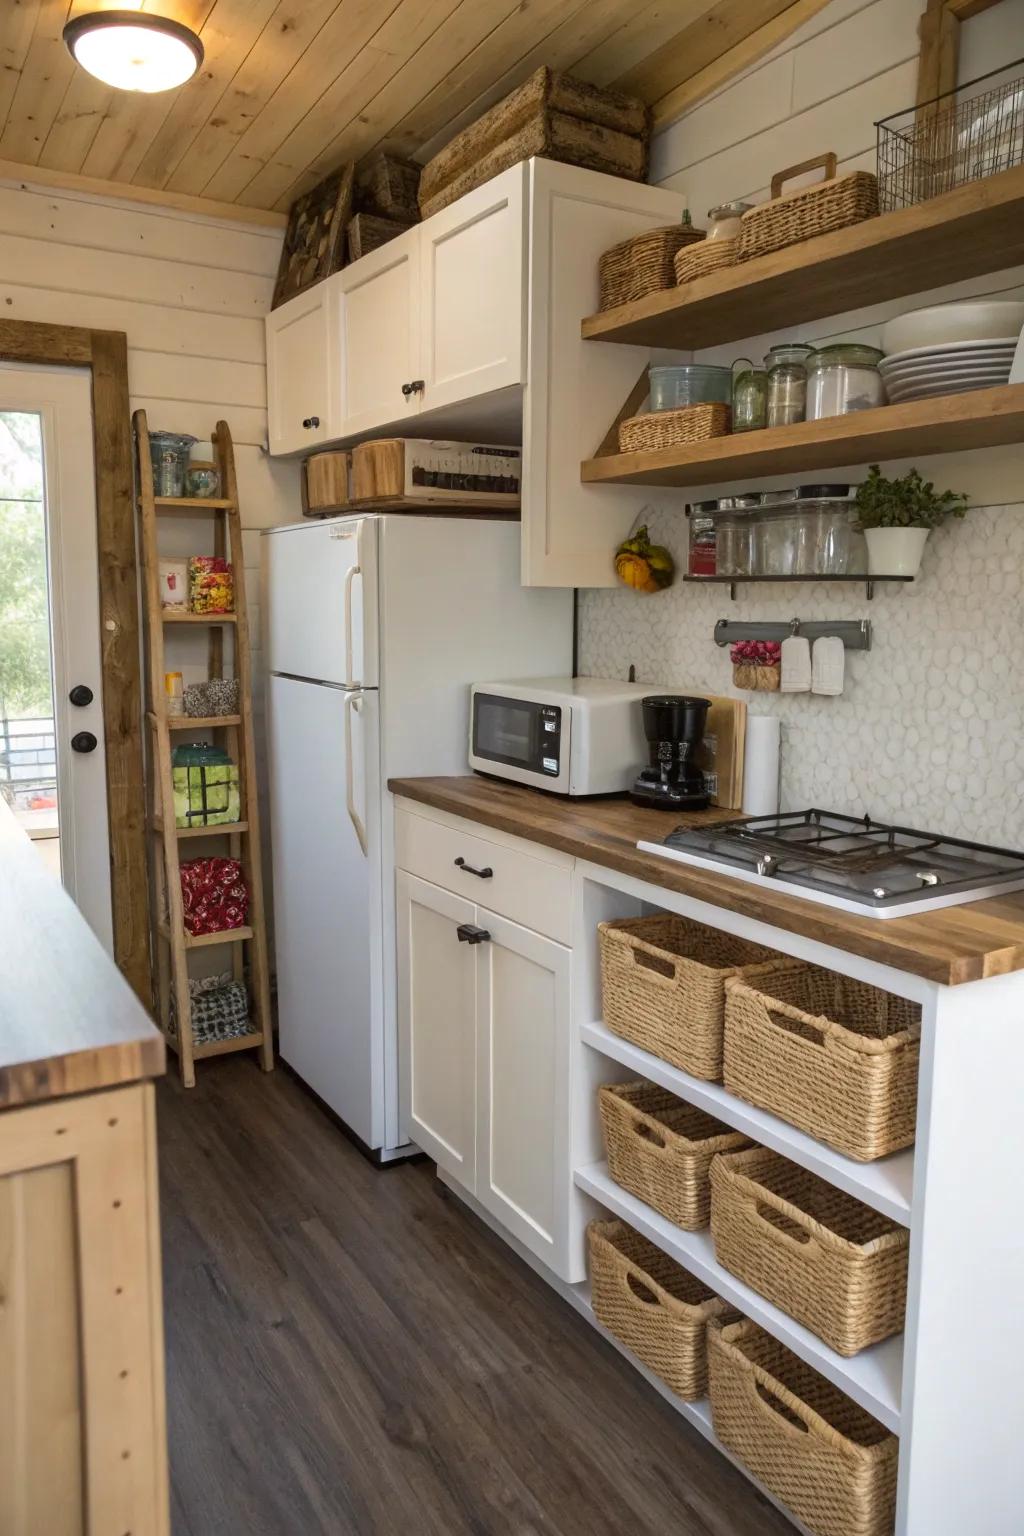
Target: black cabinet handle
(81,694)
(487,873)
(83,741)
(414,388)
(310,422)
(469,934)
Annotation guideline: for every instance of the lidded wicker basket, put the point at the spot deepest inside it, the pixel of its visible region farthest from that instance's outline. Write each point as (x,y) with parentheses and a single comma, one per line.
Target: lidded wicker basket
(836,1057)
(652,1305)
(709,256)
(834,1264)
(663,985)
(643,264)
(660,1149)
(792,217)
(815,1449)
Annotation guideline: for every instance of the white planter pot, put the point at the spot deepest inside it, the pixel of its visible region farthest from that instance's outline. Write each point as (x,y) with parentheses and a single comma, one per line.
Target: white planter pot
(895,551)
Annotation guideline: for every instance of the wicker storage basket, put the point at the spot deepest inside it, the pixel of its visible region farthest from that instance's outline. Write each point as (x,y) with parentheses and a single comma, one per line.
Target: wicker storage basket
(652,1305)
(834,1056)
(809,211)
(663,986)
(660,1149)
(663,429)
(836,1265)
(828,1460)
(698,260)
(643,264)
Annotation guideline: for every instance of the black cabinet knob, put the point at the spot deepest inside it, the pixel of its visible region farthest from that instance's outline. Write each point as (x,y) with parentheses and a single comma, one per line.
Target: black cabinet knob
(311,421)
(469,934)
(414,388)
(81,695)
(83,741)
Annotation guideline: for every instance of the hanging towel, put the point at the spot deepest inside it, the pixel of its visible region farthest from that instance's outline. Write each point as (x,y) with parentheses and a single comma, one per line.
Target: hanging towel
(796,665)
(829,665)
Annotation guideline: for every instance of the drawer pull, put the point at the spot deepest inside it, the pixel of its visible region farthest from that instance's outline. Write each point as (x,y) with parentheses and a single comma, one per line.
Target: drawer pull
(487,873)
(469,934)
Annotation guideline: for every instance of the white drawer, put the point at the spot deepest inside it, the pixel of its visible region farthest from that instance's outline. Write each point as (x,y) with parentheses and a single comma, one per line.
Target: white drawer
(534,891)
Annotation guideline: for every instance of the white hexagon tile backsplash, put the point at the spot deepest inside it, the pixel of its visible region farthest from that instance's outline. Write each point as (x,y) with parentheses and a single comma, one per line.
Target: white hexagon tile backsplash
(929,730)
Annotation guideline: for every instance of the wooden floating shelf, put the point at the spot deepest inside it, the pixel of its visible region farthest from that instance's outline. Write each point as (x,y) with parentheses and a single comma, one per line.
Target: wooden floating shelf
(981,418)
(219,829)
(205,940)
(200,618)
(965,233)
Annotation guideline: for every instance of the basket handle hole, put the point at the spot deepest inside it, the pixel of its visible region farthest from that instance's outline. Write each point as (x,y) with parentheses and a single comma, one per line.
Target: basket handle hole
(642,1292)
(779,1407)
(663,967)
(807,1030)
(647,1133)
(784,1224)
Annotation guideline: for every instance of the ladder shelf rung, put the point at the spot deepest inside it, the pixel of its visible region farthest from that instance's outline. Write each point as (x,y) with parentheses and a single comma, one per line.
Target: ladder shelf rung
(199,618)
(186,506)
(219,1047)
(216,829)
(204,940)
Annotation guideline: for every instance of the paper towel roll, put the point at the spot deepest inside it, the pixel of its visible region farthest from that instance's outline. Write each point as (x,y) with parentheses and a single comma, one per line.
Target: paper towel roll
(761,766)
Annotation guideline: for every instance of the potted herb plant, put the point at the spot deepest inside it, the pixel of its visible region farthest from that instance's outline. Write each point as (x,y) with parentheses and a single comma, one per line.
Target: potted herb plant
(897,516)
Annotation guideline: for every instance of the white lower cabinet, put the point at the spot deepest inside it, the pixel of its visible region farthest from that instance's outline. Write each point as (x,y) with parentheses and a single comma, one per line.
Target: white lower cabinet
(484,1017)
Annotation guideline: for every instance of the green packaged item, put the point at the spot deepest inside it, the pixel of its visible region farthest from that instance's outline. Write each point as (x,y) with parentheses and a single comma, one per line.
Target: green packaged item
(205,783)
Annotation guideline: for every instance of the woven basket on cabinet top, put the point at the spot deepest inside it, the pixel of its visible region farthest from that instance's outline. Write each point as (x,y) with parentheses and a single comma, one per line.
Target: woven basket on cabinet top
(837,1266)
(652,1305)
(663,986)
(643,264)
(792,217)
(836,1057)
(837,1473)
(660,1149)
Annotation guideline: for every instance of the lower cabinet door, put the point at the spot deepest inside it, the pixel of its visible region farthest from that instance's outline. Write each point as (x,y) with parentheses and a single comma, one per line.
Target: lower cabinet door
(524,1014)
(437,1023)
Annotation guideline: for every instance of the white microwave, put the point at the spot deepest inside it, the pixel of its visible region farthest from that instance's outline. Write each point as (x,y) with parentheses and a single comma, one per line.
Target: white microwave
(571,735)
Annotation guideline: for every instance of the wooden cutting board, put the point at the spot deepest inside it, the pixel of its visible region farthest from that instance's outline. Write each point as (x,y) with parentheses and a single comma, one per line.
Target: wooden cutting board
(721,751)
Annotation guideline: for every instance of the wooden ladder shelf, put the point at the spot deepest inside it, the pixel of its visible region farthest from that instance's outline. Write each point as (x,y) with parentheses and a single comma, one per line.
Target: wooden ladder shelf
(171,942)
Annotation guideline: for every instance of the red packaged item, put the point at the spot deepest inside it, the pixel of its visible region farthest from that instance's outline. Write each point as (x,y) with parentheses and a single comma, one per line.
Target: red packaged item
(213,895)
(211,587)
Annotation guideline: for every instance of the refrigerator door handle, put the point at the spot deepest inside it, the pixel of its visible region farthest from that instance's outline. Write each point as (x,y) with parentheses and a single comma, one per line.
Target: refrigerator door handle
(353,701)
(350,576)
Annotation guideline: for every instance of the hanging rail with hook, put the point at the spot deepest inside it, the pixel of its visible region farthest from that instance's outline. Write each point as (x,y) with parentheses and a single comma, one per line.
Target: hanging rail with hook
(854,633)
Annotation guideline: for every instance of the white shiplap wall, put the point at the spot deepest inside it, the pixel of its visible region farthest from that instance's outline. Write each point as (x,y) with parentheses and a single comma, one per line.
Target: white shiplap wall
(925,729)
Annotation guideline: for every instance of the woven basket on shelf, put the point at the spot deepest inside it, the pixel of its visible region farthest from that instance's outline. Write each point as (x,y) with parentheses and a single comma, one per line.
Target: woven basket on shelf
(836,1057)
(698,260)
(837,1472)
(660,1149)
(652,1305)
(663,986)
(643,264)
(664,429)
(792,217)
(837,1266)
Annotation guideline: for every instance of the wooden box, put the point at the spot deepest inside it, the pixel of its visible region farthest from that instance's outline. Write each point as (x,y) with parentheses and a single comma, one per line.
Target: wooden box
(551,115)
(389,186)
(418,472)
(325,483)
(367,231)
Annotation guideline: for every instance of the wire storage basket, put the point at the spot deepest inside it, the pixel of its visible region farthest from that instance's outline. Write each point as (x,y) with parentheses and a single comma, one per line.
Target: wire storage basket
(973,131)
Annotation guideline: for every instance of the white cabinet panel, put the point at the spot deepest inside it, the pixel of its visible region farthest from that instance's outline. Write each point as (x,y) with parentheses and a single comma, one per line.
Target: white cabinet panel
(437,1024)
(298,407)
(524,1020)
(375,340)
(472,258)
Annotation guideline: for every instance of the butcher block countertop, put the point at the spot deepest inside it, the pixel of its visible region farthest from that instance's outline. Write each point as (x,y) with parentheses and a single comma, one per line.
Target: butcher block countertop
(957,944)
(69,1022)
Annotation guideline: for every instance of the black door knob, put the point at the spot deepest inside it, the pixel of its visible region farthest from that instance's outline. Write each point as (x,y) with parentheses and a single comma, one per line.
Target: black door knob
(83,741)
(81,695)
(310,422)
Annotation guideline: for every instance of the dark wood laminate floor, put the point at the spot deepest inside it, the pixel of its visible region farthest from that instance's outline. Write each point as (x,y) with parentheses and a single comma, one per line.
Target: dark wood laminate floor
(352,1352)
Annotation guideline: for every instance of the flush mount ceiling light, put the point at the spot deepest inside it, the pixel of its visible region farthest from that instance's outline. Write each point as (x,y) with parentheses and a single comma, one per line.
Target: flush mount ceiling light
(133,50)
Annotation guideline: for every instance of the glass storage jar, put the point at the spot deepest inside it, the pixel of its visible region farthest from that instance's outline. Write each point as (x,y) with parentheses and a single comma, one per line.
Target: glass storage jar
(169,452)
(834,544)
(703,550)
(843,378)
(749,396)
(787,383)
(736,523)
(724,221)
(777,537)
(676,385)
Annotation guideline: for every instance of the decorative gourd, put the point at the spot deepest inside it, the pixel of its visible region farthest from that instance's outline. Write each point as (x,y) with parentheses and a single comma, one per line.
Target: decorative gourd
(644,566)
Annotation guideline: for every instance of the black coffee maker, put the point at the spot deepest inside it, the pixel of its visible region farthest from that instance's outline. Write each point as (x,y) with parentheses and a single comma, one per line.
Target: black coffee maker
(674,727)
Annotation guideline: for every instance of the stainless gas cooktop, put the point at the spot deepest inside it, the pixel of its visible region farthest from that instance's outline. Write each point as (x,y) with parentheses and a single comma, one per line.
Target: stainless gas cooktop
(860,866)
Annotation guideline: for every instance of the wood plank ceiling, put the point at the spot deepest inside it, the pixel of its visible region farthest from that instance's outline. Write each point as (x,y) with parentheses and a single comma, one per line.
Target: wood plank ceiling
(290,89)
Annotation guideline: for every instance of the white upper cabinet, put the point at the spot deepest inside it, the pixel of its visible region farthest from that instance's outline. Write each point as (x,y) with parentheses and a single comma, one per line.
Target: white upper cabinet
(375,338)
(472,259)
(298,406)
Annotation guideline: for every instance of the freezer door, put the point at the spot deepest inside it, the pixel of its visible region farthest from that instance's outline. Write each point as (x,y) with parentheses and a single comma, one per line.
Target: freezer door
(325,830)
(320,583)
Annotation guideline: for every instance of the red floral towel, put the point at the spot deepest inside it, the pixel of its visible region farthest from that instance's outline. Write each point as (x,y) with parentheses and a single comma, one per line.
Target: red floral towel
(213,894)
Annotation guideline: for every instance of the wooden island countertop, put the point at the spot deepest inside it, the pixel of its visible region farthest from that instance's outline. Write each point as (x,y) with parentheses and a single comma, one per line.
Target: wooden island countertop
(951,946)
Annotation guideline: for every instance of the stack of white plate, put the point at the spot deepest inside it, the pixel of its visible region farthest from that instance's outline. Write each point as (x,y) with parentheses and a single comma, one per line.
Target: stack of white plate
(949,348)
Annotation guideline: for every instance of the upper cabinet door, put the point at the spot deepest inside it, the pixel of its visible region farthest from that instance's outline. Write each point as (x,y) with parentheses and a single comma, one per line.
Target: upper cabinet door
(298,407)
(375,337)
(473,257)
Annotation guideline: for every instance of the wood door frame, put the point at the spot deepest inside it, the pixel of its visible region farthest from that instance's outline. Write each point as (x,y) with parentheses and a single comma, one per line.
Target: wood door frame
(105,354)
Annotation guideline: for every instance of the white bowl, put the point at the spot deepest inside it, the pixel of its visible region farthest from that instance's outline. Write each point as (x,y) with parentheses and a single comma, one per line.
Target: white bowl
(940,324)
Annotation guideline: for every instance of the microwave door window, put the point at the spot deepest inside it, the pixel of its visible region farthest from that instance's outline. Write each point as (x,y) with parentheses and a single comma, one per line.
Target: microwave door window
(505,731)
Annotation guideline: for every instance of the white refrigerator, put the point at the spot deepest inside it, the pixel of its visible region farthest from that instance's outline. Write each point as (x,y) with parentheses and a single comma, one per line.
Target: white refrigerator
(375,626)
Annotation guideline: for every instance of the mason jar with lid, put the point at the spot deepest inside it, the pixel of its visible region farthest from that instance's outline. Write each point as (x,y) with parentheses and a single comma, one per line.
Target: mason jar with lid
(830,543)
(749,396)
(842,378)
(787,383)
(778,531)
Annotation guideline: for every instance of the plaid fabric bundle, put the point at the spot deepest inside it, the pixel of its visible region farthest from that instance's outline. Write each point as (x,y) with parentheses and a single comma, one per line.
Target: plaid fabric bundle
(220,1009)
(214,895)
